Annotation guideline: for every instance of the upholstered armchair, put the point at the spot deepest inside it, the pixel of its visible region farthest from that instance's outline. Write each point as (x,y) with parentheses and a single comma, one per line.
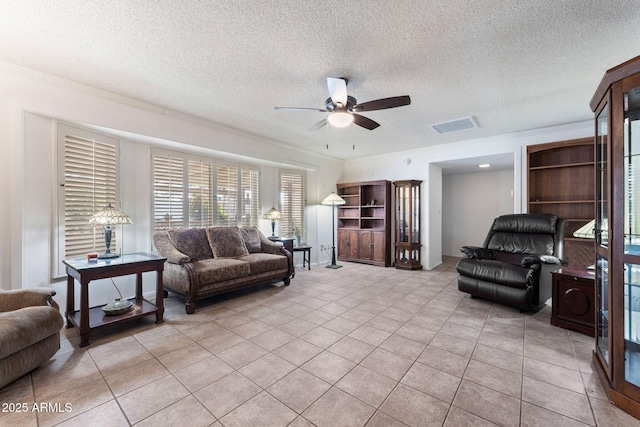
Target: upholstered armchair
(514,265)
(30,324)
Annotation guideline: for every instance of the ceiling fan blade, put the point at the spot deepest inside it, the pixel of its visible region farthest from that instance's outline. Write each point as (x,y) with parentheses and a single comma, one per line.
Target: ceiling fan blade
(301,108)
(337,90)
(318,125)
(365,122)
(382,104)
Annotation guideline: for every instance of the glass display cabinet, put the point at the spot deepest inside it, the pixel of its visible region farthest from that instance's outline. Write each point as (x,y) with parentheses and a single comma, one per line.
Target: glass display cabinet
(408,224)
(616,105)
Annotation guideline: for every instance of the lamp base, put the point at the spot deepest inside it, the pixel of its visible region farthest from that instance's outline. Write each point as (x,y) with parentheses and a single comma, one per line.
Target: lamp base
(334,266)
(108,255)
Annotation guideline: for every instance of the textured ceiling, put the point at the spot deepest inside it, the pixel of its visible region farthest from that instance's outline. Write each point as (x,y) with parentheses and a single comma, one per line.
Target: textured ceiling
(514,65)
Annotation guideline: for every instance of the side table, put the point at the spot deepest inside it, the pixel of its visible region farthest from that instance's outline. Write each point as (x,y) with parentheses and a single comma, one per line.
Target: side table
(287,242)
(84,272)
(573,299)
(306,255)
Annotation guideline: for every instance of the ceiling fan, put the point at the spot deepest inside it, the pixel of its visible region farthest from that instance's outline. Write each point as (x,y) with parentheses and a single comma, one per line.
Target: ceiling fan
(343,108)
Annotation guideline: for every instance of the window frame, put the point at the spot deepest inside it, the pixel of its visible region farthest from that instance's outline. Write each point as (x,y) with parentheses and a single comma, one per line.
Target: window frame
(287,211)
(214,202)
(60,237)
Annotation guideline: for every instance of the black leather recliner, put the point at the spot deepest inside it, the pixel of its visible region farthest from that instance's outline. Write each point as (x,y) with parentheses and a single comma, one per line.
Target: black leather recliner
(514,265)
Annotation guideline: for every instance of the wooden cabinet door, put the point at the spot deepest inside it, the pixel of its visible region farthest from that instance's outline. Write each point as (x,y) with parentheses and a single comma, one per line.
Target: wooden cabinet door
(379,251)
(348,244)
(366,245)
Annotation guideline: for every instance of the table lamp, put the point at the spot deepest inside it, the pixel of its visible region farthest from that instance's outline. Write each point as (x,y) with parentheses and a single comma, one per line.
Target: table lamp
(273,214)
(109,217)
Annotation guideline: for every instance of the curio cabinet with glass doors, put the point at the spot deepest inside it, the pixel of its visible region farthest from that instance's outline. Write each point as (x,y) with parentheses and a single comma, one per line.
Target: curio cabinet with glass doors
(616,105)
(408,224)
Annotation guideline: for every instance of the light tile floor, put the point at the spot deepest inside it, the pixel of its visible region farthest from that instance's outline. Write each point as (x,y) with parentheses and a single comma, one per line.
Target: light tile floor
(356,346)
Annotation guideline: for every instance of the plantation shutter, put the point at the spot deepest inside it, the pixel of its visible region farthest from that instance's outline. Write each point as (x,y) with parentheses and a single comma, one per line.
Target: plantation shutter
(293,203)
(251,197)
(168,192)
(227,195)
(201,203)
(90,184)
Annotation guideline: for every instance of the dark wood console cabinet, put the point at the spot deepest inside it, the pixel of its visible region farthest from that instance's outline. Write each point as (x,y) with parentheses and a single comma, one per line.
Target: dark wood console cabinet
(573,305)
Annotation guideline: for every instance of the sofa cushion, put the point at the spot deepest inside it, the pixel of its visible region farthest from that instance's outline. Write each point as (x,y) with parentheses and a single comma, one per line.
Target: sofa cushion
(226,242)
(251,237)
(261,262)
(192,242)
(215,270)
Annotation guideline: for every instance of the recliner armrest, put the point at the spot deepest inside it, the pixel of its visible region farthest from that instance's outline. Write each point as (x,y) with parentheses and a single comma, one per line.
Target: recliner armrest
(529,260)
(477,252)
(20,298)
(550,259)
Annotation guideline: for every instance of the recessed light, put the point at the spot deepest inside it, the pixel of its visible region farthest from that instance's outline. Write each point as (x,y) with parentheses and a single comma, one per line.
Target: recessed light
(484,165)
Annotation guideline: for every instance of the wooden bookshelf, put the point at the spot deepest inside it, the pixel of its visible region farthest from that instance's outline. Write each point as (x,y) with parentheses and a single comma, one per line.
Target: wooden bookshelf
(364,222)
(561,181)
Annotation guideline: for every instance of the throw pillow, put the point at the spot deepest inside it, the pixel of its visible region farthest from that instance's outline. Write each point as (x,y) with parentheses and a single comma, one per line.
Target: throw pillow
(251,237)
(226,242)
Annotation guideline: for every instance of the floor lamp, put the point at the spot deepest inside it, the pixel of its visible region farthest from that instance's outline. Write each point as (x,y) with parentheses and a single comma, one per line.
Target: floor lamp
(333,200)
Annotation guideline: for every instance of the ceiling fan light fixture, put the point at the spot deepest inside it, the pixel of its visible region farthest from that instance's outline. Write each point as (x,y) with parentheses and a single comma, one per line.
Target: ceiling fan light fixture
(340,119)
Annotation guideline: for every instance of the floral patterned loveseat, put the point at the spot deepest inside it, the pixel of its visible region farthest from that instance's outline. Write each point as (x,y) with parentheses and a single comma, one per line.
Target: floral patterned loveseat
(202,262)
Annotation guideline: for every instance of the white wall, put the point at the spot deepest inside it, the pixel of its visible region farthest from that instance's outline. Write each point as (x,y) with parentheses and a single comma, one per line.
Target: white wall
(31,107)
(434,218)
(470,202)
(394,166)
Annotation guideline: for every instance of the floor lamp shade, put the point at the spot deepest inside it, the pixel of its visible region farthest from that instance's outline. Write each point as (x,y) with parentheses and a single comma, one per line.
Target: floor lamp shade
(333,200)
(108,217)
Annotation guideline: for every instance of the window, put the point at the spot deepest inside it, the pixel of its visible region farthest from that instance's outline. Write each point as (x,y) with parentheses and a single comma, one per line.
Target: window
(88,177)
(293,202)
(250,191)
(168,202)
(196,191)
(227,195)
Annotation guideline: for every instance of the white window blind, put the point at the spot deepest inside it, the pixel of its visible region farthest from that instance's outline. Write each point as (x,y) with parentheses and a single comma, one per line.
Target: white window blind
(168,191)
(201,200)
(227,195)
(197,191)
(251,197)
(88,183)
(293,203)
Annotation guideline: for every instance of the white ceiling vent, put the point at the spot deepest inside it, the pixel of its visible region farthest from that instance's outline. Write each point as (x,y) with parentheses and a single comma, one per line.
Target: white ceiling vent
(456,125)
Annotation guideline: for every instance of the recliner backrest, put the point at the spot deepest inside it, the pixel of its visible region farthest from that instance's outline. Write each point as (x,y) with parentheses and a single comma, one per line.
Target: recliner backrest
(524,233)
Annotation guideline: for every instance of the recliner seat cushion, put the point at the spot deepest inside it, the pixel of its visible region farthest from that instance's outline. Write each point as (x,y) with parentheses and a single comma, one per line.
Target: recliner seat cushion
(497,272)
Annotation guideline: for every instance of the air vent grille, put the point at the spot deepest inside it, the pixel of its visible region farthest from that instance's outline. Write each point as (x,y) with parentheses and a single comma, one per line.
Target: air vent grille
(456,125)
